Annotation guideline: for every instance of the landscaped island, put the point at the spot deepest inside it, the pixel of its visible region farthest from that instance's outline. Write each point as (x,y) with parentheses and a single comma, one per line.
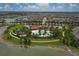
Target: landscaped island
(41,33)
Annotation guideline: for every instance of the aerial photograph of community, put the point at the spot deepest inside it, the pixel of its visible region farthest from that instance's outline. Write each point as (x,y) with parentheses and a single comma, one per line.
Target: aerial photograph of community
(39,29)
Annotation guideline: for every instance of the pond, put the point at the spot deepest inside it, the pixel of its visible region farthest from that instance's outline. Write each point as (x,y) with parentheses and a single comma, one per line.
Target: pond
(32,51)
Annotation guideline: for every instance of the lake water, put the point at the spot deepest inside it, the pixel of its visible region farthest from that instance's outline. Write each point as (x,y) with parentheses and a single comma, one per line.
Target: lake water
(33,51)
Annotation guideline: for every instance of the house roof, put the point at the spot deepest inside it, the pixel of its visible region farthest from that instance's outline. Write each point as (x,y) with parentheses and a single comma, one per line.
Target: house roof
(76,33)
(37,26)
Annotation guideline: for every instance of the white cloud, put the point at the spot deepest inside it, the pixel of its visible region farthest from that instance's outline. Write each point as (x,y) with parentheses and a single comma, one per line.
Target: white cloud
(39,7)
(60,7)
(20,6)
(1,7)
(7,7)
(53,7)
(35,7)
(72,4)
(42,7)
(28,7)
(43,4)
(17,3)
(32,6)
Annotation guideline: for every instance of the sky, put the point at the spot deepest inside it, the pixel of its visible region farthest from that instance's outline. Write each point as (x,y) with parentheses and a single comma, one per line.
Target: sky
(39,6)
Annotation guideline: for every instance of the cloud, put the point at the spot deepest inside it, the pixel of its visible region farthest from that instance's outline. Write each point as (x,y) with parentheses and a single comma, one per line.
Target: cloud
(43,4)
(60,7)
(17,3)
(20,6)
(57,8)
(71,7)
(53,7)
(1,7)
(72,4)
(7,7)
(35,7)
(28,8)
(32,6)
(43,7)
(39,7)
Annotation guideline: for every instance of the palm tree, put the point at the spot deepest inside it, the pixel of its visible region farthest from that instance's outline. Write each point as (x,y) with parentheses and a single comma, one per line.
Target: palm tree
(28,34)
(24,40)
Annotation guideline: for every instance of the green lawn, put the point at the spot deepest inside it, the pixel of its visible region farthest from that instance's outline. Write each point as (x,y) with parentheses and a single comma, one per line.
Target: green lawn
(49,42)
(45,41)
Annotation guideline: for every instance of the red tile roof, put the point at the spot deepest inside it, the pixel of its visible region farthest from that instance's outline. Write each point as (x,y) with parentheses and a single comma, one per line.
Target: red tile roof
(37,26)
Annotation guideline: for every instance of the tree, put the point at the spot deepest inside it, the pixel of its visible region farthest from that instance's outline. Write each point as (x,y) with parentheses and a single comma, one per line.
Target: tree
(28,34)
(39,32)
(51,30)
(23,42)
(44,32)
(24,34)
(56,32)
(29,42)
(2,22)
(68,35)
